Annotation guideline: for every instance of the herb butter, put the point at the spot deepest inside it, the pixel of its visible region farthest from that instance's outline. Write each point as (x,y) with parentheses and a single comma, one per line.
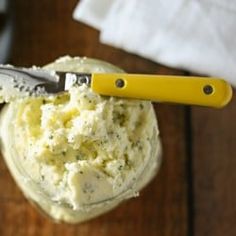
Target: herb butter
(80,153)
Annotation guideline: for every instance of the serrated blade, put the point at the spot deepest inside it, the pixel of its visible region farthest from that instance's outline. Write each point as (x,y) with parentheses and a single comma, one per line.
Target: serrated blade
(22,82)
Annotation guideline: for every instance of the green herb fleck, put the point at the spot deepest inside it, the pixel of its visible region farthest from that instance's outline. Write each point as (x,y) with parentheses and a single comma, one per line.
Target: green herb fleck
(139,123)
(63,153)
(79,157)
(120,167)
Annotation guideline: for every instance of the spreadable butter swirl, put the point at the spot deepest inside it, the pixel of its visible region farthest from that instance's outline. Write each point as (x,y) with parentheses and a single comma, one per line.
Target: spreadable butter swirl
(84,153)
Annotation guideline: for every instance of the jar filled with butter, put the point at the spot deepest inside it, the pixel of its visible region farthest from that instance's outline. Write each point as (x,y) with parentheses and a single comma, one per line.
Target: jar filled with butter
(77,154)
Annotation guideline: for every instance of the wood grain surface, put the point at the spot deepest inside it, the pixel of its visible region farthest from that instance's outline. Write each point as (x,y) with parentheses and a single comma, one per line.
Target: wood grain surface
(194,192)
(214,163)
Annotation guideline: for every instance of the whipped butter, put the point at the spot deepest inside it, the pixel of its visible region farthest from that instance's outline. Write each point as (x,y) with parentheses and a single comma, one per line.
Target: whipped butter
(78,154)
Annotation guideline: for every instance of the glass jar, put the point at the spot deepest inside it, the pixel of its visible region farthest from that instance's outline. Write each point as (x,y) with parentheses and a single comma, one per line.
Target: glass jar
(32,187)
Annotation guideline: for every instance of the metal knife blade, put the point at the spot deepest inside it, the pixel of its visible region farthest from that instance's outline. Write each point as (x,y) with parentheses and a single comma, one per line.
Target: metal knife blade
(21,82)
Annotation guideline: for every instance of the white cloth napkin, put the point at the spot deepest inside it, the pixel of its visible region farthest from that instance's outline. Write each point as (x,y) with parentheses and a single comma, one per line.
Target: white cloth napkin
(196,35)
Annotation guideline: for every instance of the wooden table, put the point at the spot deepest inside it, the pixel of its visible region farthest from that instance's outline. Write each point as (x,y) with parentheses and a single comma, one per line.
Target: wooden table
(194,192)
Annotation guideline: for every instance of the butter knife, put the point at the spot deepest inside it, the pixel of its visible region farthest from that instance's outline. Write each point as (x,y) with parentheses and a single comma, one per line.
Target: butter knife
(205,91)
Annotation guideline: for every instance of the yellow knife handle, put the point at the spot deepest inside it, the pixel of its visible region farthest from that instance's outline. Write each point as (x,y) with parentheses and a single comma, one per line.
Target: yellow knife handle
(204,91)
